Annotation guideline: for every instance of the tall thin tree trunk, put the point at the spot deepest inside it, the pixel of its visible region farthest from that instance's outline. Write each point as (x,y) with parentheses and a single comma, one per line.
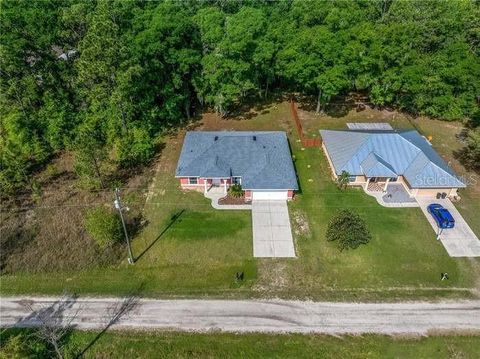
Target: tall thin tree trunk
(187,109)
(57,349)
(266,89)
(319,100)
(97,172)
(124,122)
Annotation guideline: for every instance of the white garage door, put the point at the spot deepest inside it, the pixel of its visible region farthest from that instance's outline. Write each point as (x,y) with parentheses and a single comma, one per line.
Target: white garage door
(270,195)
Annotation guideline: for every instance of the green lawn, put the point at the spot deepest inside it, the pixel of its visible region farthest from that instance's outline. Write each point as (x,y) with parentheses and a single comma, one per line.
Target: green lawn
(222,345)
(199,252)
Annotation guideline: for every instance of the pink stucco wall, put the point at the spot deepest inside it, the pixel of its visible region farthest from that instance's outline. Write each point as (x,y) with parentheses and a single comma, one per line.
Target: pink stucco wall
(290,194)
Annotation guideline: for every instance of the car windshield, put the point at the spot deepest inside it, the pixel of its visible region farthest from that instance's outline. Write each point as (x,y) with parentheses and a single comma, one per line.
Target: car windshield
(446,216)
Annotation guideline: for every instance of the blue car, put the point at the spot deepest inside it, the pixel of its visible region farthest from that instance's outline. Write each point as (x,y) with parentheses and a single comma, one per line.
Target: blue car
(441,215)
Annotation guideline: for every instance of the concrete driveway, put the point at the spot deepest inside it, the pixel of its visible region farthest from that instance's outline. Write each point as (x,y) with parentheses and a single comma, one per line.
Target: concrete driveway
(459,241)
(272,234)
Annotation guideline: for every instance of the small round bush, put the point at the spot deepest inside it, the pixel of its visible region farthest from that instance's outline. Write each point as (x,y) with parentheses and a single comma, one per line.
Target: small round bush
(104,226)
(348,230)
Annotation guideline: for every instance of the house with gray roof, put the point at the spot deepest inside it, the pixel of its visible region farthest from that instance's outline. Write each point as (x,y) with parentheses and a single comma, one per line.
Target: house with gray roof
(259,161)
(375,157)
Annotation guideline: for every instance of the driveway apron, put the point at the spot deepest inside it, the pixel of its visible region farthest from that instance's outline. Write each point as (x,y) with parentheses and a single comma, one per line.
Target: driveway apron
(272,233)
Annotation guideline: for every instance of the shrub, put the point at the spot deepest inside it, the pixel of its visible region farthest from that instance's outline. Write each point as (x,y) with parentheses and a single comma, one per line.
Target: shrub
(343,180)
(236,191)
(348,229)
(104,226)
(23,344)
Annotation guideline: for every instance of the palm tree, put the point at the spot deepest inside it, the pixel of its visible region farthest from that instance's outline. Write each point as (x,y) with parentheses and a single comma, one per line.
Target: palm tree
(343,180)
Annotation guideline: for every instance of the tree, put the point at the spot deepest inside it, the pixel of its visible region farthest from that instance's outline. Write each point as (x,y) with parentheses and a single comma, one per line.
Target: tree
(131,70)
(348,230)
(343,180)
(52,325)
(103,226)
(470,154)
(135,149)
(91,156)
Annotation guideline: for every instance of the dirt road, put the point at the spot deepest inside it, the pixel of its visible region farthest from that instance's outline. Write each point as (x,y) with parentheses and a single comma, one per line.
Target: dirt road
(243,315)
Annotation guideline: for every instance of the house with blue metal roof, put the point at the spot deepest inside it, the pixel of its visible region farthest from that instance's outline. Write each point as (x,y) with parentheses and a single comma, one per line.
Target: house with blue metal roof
(373,158)
(260,161)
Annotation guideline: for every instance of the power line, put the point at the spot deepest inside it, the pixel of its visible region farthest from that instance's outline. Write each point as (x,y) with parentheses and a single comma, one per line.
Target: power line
(187,205)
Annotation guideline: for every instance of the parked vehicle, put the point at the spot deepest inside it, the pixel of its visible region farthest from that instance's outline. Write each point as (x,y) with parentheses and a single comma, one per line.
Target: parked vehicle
(441,215)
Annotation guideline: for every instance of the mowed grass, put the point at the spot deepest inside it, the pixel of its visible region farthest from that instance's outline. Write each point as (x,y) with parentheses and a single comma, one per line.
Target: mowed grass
(189,249)
(402,255)
(225,345)
(186,247)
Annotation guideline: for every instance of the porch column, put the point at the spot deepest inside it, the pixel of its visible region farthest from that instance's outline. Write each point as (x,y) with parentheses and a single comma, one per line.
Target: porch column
(366,185)
(205,185)
(225,185)
(386,184)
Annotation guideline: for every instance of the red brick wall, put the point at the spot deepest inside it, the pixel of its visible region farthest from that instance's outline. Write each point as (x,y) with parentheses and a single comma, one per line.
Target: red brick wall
(184,182)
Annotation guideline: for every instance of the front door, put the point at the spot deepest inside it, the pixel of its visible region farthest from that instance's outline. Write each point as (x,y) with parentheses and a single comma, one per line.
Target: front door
(216,182)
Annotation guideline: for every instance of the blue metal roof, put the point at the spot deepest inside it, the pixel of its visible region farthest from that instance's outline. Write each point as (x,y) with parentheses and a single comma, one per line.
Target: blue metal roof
(261,159)
(389,154)
(374,166)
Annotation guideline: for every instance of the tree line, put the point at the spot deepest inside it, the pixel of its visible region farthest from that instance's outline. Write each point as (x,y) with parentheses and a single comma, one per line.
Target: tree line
(103,78)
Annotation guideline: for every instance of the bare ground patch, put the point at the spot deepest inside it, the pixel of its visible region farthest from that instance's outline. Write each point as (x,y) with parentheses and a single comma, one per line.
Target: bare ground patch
(272,275)
(301,227)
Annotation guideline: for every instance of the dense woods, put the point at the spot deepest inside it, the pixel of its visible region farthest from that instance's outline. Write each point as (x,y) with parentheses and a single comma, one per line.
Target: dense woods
(104,78)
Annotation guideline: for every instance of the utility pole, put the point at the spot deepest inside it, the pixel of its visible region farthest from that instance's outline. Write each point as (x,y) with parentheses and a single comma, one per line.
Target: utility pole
(118,205)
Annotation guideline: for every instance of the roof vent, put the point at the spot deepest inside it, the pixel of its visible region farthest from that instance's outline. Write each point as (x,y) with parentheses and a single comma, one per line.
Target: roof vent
(254,138)
(216,138)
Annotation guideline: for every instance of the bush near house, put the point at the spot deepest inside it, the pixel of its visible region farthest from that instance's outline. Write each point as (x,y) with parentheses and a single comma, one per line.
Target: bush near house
(348,230)
(104,226)
(343,179)
(236,191)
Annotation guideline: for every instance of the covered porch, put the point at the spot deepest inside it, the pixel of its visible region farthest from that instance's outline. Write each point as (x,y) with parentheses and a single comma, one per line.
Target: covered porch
(219,185)
(216,185)
(378,184)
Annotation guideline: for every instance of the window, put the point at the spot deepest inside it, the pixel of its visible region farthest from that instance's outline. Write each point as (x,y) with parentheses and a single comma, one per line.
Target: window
(352,179)
(236,180)
(192,180)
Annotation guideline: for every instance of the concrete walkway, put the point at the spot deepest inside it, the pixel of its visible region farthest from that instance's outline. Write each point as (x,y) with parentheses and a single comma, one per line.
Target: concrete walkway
(215,194)
(459,241)
(272,234)
(277,316)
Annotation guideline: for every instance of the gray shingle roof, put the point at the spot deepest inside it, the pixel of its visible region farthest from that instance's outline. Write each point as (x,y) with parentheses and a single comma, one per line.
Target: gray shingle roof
(263,163)
(388,154)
